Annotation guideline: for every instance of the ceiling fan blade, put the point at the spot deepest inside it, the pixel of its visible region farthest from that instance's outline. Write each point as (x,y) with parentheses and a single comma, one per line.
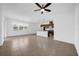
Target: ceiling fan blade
(38,5)
(37,10)
(47,5)
(47,10)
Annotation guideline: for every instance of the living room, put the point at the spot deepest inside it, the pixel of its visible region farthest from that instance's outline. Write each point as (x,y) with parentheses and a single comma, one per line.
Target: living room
(21,24)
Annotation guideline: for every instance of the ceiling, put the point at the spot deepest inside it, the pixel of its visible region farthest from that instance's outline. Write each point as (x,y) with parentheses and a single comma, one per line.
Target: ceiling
(25,12)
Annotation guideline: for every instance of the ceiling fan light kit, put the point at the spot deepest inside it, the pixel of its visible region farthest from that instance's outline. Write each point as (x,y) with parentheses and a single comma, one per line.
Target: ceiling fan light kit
(42,10)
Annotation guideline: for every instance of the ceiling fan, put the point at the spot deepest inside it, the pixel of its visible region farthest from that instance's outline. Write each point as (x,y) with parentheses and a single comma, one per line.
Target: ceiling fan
(43,7)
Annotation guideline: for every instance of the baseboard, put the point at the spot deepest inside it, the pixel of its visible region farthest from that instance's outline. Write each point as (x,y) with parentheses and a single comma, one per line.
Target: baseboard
(22,35)
(65,41)
(76,45)
(77,48)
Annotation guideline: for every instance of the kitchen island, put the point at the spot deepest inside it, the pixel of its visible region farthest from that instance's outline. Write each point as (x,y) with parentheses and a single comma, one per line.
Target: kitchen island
(45,33)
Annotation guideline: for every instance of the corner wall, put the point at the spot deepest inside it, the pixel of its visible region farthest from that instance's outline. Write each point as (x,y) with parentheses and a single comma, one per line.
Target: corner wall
(1,28)
(77,28)
(64,22)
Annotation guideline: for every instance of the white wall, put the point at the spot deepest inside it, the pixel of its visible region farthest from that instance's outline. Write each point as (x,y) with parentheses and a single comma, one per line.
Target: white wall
(77,27)
(1,28)
(64,22)
(31,29)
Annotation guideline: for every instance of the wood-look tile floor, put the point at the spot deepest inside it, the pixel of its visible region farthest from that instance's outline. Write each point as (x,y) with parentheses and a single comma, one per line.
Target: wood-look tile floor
(33,45)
